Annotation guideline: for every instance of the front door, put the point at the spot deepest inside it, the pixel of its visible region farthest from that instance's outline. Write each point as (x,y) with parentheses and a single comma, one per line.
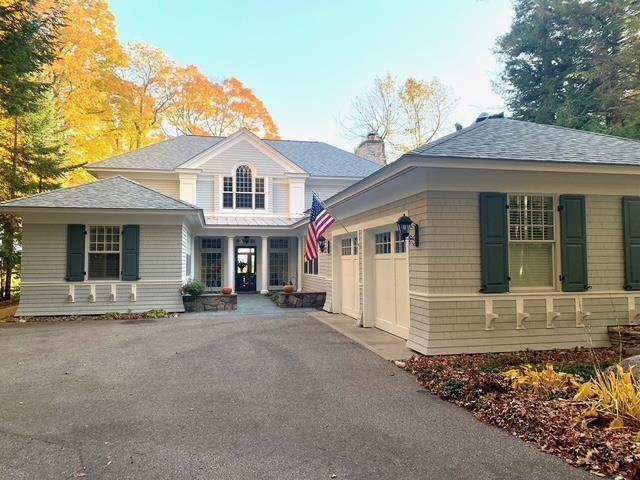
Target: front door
(245,269)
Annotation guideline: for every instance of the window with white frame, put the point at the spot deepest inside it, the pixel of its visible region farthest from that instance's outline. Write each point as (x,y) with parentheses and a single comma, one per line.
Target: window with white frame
(211,262)
(104,252)
(243,191)
(532,240)
(311,266)
(278,261)
(383,243)
(345,246)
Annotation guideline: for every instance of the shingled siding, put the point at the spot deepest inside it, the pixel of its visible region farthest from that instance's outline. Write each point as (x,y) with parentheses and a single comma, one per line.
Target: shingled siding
(451,238)
(45,292)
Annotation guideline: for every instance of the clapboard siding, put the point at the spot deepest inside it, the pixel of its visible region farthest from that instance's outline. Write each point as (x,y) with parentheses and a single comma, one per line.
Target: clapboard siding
(242,153)
(44,264)
(322,281)
(280,198)
(205,194)
(323,191)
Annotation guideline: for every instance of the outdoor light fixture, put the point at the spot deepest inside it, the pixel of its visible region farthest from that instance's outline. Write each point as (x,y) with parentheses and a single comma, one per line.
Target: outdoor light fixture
(246,239)
(404,230)
(324,244)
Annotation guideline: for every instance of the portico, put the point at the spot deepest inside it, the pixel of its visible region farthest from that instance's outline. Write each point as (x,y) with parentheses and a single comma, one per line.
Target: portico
(247,262)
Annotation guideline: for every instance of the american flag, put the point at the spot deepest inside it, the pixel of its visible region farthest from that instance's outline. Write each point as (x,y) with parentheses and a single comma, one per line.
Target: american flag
(319,222)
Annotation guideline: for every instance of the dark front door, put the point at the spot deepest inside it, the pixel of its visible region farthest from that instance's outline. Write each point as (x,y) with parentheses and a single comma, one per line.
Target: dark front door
(245,269)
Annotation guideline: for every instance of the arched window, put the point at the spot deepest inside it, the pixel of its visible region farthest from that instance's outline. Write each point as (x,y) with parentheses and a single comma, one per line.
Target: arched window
(243,191)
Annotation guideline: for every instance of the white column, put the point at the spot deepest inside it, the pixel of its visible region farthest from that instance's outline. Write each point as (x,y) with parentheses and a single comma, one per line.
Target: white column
(231,263)
(300,264)
(264,266)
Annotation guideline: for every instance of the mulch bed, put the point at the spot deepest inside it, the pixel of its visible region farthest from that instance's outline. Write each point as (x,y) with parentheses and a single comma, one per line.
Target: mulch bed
(555,425)
(108,316)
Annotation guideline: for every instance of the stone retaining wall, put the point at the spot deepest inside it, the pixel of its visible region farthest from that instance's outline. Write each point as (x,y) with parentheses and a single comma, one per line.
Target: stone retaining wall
(210,302)
(301,300)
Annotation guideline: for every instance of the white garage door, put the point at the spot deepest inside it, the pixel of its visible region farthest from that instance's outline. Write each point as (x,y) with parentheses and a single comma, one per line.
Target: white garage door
(391,269)
(349,271)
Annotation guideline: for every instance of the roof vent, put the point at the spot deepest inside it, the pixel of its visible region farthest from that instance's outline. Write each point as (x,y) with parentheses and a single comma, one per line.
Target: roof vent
(458,127)
(485,116)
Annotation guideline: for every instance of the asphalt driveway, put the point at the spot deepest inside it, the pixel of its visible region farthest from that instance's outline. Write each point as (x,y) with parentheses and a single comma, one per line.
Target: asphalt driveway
(232,397)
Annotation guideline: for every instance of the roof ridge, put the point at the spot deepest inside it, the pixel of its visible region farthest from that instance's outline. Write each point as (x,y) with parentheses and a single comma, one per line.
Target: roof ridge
(446,138)
(561,127)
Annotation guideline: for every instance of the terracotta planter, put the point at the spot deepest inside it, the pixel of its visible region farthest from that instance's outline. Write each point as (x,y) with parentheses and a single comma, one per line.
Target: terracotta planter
(227,290)
(288,289)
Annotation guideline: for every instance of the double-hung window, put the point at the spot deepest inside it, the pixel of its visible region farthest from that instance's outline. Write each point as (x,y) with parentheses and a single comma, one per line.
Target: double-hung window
(104,252)
(243,191)
(532,240)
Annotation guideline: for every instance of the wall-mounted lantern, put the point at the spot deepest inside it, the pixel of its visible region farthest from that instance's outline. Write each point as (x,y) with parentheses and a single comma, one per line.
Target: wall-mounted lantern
(324,245)
(404,230)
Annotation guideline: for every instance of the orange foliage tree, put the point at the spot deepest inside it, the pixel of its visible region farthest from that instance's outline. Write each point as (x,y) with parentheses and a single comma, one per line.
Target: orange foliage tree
(115,98)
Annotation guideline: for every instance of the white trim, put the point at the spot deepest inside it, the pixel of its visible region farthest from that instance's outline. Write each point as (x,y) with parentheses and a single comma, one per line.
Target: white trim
(102,282)
(230,141)
(475,297)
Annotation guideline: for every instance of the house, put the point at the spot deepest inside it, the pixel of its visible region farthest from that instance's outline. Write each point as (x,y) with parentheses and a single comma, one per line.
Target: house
(217,210)
(523,236)
(528,237)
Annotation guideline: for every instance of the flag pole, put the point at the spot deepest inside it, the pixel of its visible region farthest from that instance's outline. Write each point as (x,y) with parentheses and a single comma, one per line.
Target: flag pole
(337,220)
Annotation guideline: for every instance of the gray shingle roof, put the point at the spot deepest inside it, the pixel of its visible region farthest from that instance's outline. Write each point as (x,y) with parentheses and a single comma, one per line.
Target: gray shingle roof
(508,139)
(316,158)
(114,192)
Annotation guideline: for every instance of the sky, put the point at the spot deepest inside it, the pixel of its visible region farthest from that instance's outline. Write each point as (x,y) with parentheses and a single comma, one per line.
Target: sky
(308,60)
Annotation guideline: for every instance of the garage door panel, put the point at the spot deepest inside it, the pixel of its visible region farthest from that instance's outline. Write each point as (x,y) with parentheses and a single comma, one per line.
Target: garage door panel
(391,284)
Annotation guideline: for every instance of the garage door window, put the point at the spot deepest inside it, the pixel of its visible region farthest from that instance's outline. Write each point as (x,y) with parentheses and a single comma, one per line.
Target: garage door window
(400,245)
(345,246)
(383,243)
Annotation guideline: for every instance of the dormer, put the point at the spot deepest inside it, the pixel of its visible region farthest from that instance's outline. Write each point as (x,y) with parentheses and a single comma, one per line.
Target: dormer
(247,177)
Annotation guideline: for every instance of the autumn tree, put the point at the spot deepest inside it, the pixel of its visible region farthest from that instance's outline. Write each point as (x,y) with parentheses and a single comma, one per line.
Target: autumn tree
(204,107)
(425,109)
(85,81)
(404,115)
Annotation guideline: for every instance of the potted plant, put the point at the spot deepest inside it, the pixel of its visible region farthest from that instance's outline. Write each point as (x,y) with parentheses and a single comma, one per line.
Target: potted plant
(193,289)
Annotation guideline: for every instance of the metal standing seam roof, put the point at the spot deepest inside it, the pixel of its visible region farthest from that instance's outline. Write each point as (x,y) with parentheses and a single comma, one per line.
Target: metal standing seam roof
(508,139)
(110,193)
(318,159)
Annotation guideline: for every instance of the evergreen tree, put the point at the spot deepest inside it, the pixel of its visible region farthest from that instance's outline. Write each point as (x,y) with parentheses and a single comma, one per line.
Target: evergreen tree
(31,154)
(570,63)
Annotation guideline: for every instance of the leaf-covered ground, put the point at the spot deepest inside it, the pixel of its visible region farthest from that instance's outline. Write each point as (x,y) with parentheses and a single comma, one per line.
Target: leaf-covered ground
(556,425)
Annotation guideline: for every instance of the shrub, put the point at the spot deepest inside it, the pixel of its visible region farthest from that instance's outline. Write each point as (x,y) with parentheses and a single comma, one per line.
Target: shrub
(614,394)
(543,382)
(453,388)
(157,313)
(194,288)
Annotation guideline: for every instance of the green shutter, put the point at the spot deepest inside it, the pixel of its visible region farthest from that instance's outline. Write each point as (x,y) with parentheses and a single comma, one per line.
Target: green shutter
(574,243)
(631,220)
(494,243)
(130,252)
(75,253)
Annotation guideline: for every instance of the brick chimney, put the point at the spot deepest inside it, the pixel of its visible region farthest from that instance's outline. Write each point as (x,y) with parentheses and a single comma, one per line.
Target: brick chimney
(372,148)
